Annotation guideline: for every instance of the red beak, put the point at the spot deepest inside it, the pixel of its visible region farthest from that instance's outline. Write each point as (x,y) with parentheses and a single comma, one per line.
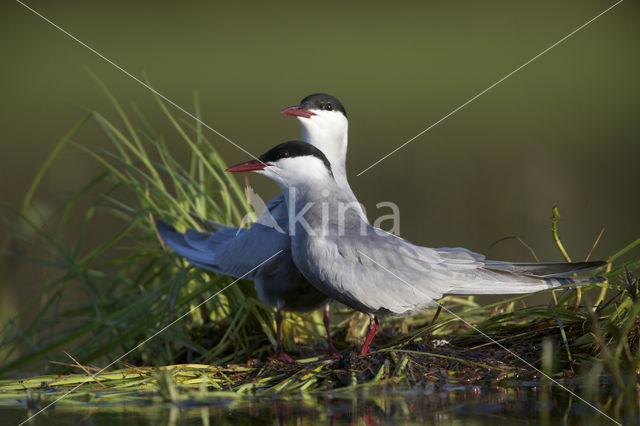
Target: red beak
(297,111)
(248,166)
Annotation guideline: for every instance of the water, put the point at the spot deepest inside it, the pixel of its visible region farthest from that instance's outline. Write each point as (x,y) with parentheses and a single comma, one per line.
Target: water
(449,405)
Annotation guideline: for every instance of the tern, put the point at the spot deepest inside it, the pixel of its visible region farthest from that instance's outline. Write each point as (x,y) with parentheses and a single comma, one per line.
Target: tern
(235,251)
(373,271)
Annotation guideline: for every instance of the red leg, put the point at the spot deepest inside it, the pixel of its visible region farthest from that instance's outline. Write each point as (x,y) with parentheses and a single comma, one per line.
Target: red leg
(333,353)
(280,354)
(373,328)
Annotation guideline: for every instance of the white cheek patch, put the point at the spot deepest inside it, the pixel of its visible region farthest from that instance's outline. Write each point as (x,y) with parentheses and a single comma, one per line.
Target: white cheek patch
(301,169)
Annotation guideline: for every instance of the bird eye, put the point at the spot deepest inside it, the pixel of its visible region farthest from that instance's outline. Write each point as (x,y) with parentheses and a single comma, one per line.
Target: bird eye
(328,107)
(284,154)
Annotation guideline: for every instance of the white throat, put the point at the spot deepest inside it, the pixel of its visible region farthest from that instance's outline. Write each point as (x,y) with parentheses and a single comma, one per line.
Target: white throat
(329,132)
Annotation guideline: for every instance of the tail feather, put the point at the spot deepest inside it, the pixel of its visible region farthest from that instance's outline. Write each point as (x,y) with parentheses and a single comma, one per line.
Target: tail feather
(199,255)
(543,270)
(519,278)
(245,253)
(176,240)
(558,281)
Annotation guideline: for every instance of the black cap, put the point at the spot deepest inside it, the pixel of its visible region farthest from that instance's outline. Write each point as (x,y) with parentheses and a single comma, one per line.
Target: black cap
(294,149)
(322,101)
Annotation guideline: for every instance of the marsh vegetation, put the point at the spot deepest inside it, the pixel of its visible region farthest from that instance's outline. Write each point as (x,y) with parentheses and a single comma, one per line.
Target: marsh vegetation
(110,304)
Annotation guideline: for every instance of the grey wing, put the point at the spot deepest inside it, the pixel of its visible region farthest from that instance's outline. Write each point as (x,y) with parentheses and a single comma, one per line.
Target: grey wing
(381,272)
(237,252)
(371,273)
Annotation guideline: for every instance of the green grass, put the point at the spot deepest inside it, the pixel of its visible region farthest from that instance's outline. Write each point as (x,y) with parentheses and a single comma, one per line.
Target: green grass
(102,300)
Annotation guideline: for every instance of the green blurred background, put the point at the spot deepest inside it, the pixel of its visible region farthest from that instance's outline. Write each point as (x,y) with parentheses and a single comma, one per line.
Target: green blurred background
(562,131)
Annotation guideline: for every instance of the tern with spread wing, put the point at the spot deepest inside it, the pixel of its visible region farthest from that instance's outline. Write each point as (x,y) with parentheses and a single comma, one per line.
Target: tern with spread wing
(236,251)
(371,270)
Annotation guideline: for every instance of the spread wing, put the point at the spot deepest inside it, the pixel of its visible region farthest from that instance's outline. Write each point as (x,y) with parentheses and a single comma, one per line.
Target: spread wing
(236,251)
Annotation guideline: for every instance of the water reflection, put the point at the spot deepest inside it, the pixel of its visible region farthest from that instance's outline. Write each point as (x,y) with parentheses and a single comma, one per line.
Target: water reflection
(375,406)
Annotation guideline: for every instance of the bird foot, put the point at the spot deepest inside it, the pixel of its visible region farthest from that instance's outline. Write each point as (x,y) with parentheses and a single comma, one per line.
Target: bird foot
(373,328)
(363,351)
(282,356)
